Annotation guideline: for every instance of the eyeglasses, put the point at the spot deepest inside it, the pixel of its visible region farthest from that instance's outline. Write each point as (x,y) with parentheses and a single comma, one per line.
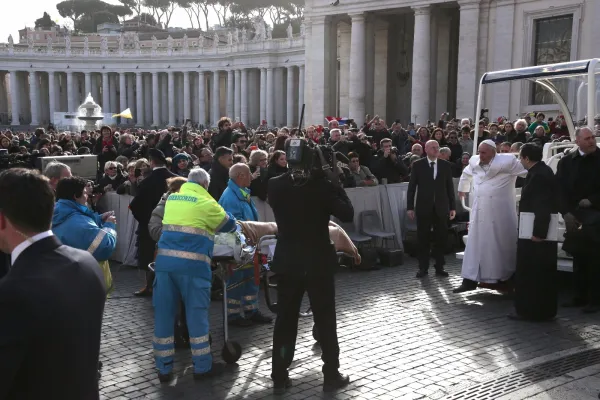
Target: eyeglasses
(111,168)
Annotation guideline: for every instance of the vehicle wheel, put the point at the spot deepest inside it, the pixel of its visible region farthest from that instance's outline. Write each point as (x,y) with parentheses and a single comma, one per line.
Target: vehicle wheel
(315,333)
(270,288)
(232,351)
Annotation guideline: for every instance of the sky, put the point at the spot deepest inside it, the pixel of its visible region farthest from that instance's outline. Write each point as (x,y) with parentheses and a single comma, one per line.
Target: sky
(17,14)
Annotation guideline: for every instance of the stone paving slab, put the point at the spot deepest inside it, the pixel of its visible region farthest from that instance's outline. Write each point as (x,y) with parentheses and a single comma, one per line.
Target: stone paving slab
(400,338)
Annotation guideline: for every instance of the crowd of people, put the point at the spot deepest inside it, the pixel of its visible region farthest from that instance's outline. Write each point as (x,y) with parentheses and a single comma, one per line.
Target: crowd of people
(376,153)
(188,185)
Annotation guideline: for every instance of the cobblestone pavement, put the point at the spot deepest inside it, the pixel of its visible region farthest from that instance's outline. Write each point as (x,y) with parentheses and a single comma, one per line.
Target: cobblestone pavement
(400,338)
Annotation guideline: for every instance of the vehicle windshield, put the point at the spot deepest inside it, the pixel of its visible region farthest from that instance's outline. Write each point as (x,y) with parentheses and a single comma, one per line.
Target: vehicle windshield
(555,89)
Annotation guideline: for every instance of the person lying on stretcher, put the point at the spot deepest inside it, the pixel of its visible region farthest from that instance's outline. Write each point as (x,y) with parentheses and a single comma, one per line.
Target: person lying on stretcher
(254,231)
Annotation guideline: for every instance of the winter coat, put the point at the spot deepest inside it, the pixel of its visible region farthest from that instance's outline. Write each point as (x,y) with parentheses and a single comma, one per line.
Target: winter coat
(78,226)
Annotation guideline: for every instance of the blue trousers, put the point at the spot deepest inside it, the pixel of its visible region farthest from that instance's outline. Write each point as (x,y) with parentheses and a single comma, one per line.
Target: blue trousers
(243,299)
(169,288)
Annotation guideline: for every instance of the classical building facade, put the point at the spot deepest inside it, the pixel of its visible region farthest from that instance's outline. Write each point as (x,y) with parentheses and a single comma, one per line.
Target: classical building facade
(410,60)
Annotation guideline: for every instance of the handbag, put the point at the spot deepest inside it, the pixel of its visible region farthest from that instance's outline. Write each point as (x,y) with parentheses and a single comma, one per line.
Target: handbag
(108,280)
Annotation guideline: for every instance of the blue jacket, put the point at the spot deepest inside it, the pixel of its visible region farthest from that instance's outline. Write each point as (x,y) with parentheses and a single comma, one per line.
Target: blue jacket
(78,226)
(237,201)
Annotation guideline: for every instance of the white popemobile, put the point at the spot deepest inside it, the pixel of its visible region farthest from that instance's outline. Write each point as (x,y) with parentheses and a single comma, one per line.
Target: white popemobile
(580,97)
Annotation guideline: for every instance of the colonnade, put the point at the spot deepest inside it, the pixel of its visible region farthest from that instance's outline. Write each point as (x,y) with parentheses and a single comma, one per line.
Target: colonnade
(160,98)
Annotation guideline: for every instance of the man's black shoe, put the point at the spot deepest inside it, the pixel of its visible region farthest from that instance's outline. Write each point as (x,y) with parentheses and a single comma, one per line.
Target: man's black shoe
(260,318)
(441,273)
(591,309)
(165,378)
(336,382)
(464,288)
(281,387)
(575,303)
(215,370)
(145,292)
(422,273)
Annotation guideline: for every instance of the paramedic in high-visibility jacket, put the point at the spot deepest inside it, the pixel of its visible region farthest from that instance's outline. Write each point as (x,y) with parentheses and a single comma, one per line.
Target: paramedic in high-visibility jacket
(242,300)
(192,217)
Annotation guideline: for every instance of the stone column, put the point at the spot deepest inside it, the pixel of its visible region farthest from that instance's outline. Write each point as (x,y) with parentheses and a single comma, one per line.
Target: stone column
(163,82)
(244,96)
(187,111)
(344,33)
(95,88)
(88,84)
(147,99)
(51,95)
(122,94)
(155,101)
(270,97)
(500,101)
(279,96)
(33,98)
(290,97)
(263,94)
(421,65)
(15,100)
(70,98)
(216,98)
(237,97)
(171,96)
(130,90)
(230,93)
(139,99)
(466,87)
(105,94)
(201,98)
(357,89)
(300,91)
(112,84)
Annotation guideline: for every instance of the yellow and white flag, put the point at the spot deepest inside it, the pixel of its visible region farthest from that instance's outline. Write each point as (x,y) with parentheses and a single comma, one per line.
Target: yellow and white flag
(124,114)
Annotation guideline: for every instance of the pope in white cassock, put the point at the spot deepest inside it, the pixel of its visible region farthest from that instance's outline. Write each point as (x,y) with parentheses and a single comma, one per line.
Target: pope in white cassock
(491,253)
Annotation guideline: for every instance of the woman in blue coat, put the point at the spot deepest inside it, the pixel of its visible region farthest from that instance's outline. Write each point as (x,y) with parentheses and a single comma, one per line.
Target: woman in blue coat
(242,302)
(78,226)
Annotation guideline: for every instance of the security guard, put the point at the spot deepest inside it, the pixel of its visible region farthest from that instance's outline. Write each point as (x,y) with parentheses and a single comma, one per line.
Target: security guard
(243,298)
(192,217)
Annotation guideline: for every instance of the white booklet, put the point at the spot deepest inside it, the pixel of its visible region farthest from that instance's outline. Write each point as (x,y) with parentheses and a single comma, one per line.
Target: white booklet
(526,226)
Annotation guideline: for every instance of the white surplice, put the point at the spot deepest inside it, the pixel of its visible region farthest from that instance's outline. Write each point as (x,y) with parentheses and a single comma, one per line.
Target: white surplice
(491,252)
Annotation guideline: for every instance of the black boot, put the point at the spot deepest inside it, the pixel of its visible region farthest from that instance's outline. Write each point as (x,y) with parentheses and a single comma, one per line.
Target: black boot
(333,383)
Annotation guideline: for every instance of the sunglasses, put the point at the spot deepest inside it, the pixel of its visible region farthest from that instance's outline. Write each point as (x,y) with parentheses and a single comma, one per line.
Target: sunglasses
(112,168)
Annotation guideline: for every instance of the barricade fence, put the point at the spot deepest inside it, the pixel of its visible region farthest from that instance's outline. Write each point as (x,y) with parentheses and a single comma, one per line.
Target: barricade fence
(388,200)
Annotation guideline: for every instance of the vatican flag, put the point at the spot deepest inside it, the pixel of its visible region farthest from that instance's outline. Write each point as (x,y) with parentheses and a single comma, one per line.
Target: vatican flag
(124,114)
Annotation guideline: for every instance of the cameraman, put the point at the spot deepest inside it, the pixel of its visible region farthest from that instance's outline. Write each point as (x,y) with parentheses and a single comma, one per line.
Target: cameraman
(303,200)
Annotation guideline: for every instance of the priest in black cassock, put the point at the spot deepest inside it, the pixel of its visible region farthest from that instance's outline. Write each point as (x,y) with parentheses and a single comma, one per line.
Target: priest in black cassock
(536,281)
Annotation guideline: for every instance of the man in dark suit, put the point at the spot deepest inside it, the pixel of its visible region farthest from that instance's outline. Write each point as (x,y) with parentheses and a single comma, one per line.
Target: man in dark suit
(432,176)
(536,289)
(148,195)
(578,175)
(219,172)
(4,264)
(51,301)
(305,261)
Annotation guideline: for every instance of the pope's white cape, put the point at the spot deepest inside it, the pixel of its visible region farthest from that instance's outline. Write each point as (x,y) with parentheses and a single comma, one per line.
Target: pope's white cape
(491,252)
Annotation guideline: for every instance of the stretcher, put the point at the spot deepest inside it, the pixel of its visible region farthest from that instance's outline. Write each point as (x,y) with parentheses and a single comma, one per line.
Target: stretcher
(232,253)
